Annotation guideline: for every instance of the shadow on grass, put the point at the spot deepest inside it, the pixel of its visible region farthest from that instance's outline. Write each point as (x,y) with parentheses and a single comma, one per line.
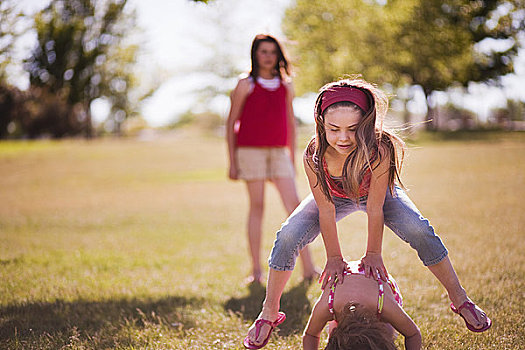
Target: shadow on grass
(294,303)
(30,321)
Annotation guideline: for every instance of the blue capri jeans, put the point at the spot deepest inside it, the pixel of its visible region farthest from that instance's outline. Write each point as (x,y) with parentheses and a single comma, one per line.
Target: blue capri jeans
(401,216)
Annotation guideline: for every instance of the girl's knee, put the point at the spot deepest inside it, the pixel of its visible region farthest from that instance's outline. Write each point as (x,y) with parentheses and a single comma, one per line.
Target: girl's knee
(427,244)
(287,246)
(284,253)
(286,240)
(420,235)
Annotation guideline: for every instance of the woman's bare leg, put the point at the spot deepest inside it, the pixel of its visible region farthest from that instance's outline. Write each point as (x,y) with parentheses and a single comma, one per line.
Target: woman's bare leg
(255,215)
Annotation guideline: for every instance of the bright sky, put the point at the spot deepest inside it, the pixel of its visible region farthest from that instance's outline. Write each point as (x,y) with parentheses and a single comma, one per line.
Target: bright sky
(182,34)
(179,35)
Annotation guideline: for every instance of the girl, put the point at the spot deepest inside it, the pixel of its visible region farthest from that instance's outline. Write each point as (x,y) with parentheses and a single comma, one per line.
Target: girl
(261,140)
(364,311)
(353,164)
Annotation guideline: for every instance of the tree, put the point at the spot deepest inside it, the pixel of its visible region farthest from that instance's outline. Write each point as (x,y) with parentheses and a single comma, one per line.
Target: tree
(11,98)
(511,116)
(430,43)
(10,29)
(79,55)
(326,36)
(443,44)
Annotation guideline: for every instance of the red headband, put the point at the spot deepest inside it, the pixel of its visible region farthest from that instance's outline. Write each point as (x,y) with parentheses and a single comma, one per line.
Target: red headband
(344,93)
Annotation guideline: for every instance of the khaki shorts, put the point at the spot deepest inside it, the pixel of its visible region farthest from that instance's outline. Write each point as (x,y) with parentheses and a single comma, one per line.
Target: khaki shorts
(263,163)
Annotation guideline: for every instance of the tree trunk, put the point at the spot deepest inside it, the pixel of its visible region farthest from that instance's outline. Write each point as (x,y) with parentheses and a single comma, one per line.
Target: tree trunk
(89,124)
(431,117)
(406,113)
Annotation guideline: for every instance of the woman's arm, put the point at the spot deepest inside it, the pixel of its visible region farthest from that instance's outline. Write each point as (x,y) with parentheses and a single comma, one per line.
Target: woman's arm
(290,119)
(399,319)
(318,319)
(335,264)
(238,97)
(372,261)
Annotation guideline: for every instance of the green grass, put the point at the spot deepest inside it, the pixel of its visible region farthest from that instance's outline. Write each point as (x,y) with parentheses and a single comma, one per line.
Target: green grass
(123,244)
(467,136)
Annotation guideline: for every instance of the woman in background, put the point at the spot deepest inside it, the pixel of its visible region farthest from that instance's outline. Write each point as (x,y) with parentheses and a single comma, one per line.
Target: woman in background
(261,140)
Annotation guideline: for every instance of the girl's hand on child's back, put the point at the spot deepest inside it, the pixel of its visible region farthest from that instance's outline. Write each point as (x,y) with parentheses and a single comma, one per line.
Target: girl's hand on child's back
(335,266)
(372,264)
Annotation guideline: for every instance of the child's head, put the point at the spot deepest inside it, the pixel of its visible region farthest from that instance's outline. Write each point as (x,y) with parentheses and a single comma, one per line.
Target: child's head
(360,330)
(358,97)
(349,117)
(267,52)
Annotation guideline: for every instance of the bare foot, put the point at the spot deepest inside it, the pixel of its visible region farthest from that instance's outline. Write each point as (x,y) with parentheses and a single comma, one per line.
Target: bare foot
(254,279)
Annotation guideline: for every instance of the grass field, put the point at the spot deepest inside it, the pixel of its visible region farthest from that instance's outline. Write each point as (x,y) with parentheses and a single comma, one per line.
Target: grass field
(128,244)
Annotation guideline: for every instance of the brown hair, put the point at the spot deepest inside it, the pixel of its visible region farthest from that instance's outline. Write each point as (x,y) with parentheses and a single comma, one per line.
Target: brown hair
(360,329)
(282,63)
(370,135)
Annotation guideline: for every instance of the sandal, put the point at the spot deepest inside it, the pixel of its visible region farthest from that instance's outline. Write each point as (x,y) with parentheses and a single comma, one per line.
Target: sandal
(258,325)
(469,305)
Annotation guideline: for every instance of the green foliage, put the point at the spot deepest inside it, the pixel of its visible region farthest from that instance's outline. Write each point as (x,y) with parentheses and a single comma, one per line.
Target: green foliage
(37,113)
(516,110)
(431,43)
(441,42)
(10,30)
(186,118)
(50,116)
(511,115)
(83,54)
(491,134)
(9,97)
(456,117)
(207,121)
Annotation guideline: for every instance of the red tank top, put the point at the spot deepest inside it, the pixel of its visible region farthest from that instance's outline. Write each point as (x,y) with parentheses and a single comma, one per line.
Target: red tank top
(335,184)
(263,121)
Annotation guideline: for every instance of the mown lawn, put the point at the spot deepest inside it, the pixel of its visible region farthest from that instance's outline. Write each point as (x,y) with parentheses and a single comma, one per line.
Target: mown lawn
(129,244)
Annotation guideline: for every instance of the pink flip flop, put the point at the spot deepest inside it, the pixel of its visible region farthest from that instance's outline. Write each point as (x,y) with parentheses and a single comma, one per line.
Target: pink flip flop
(258,325)
(470,307)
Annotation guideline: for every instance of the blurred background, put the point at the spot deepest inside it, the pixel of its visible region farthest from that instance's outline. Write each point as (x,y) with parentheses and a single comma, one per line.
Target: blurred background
(91,68)
(135,238)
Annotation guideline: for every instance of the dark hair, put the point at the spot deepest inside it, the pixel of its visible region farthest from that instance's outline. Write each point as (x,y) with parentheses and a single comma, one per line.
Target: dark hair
(360,329)
(282,62)
(370,136)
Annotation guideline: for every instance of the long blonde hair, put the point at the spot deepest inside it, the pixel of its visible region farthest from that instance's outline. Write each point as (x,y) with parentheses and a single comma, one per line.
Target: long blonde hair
(370,134)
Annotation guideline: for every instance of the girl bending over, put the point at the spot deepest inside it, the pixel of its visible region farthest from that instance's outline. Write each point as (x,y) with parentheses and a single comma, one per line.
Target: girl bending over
(354,164)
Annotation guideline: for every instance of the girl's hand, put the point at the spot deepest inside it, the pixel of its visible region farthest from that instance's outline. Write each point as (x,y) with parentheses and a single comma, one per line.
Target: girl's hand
(373,265)
(335,265)
(234,173)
